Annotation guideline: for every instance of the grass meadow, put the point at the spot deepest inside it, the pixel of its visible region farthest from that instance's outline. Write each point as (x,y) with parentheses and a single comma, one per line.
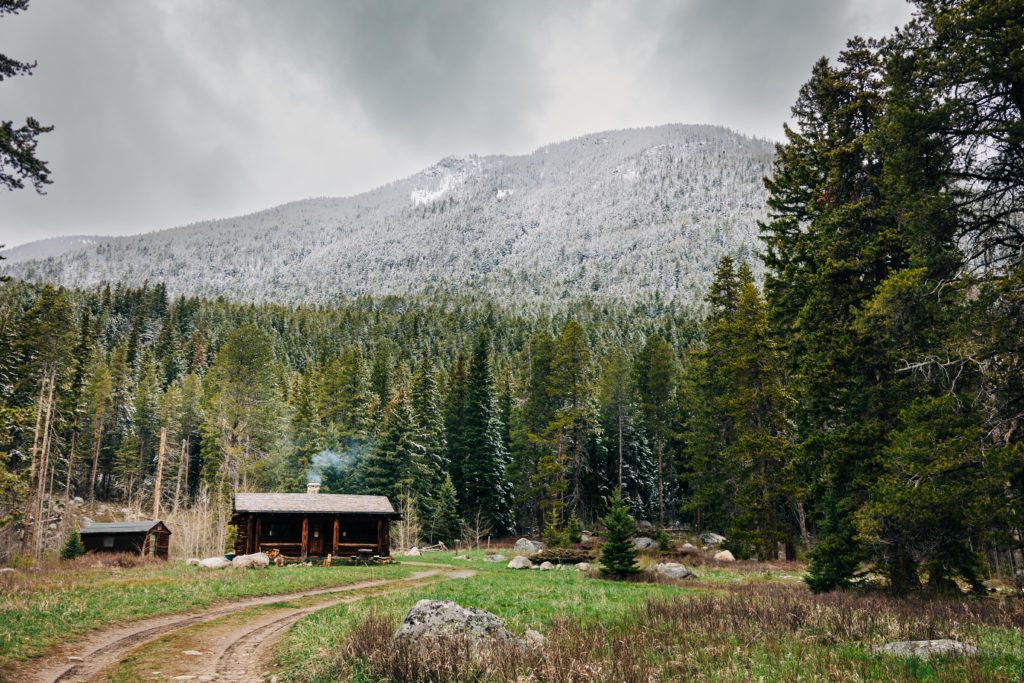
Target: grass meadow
(737,622)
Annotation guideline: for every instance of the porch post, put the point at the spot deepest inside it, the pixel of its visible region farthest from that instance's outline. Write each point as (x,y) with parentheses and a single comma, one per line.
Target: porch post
(305,536)
(334,544)
(380,536)
(248,536)
(256,540)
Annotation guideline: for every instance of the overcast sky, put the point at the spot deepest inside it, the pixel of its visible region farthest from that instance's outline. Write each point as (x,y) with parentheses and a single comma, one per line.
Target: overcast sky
(172,111)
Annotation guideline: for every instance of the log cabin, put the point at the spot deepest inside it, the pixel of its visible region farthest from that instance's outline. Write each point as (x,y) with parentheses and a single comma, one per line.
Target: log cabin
(150,538)
(313,524)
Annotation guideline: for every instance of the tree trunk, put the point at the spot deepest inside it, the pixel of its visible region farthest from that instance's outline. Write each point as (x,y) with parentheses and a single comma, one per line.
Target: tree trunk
(620,447)
(29,502)
(177,482)
(661,488)
(44,457)
(71,464)
(801,518)
(97,437)
(158,485)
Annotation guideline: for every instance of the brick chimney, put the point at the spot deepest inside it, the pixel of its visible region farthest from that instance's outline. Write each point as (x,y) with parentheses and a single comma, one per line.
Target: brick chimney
(313,488)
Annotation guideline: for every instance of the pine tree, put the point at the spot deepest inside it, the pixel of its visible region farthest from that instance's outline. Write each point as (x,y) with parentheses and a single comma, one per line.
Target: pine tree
(73,547)
(485,490)
(446,525)
(618,554)
(656,379)
(396,466)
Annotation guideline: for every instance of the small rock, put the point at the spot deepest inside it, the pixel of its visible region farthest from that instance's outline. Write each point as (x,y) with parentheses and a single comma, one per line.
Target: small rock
(76,659)
(192,653)
(528,547)
(494,557)
(534,638)
(724,556)
(412,552)
(689,548)
(219,562)
(674,570)
(520,562)
(77,500)
(644,543)
(645,527)
(710,539)
(583,566)
(86,522)
(926,649)
(254,561)
(546,565)
(52,527)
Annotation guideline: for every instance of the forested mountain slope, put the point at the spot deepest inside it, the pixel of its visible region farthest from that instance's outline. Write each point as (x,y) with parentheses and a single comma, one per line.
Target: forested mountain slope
(624,215)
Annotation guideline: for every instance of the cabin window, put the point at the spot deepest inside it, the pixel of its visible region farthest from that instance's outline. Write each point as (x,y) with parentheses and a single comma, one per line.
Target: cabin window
(283,531)
(108,541)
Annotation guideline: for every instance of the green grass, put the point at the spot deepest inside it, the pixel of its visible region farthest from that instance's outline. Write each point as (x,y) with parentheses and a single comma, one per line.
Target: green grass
(736,623)
(39,611)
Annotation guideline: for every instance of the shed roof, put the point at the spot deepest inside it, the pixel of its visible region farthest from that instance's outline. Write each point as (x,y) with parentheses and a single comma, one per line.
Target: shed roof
(313,502)
(121,527)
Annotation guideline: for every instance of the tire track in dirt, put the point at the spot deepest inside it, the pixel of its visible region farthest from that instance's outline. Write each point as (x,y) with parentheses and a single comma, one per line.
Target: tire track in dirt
(104,649)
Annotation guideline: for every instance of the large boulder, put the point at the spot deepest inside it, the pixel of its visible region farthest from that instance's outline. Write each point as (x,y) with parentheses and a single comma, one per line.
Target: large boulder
(520,562)
(674,570)
(430,619)
(218,562)
(527,547)
(645,543)
(926,649)
(254,561)
(712,540)
(494,557)
(724,556)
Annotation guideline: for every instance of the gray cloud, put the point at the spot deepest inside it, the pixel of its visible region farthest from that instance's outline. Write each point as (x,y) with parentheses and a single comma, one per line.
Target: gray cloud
(171,111)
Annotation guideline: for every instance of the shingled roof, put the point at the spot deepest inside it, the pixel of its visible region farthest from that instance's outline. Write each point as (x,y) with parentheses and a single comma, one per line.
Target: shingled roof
(313,502)
(111,528)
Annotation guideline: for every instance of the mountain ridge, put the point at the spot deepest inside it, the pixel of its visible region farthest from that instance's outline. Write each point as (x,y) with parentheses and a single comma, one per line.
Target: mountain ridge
(625,215)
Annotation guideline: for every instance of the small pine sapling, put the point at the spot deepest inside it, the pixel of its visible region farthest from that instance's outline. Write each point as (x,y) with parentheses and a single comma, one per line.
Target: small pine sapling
(73,547)
(618,554)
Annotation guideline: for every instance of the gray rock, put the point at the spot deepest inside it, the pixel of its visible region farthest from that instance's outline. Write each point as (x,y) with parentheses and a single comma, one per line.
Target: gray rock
(429,619)
(534,638)
(78,500)
(528,547)
(674,570)
(520,562)
(689,548)
(546,565)
(645,543)
(254,561)
(219,562)
(724,556)
(583,566)
(926,649)
(645,527)
(712,540)
(412,552)
(86,522)
(494,557)
(192,653)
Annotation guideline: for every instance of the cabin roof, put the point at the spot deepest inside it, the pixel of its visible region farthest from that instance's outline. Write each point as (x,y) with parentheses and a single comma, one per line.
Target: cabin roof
(110,528)
(313,502)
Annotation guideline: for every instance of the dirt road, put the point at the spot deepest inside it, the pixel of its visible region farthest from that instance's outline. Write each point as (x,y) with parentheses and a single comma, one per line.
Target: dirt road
(227,643)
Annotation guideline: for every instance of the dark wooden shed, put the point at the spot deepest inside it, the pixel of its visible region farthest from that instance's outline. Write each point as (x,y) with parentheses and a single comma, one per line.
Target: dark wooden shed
(313,523)
(151,538)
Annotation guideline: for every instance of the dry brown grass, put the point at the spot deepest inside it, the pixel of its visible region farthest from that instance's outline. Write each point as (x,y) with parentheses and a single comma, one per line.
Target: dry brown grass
(739,632)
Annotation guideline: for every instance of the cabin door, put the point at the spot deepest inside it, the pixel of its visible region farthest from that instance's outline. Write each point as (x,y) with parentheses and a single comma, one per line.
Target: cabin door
(316,536)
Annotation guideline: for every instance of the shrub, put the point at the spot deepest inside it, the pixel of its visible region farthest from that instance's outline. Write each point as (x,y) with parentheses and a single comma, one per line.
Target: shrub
(664,541)
(562,556)
(553,535)
(618,554)
(72,547)
(575,529)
